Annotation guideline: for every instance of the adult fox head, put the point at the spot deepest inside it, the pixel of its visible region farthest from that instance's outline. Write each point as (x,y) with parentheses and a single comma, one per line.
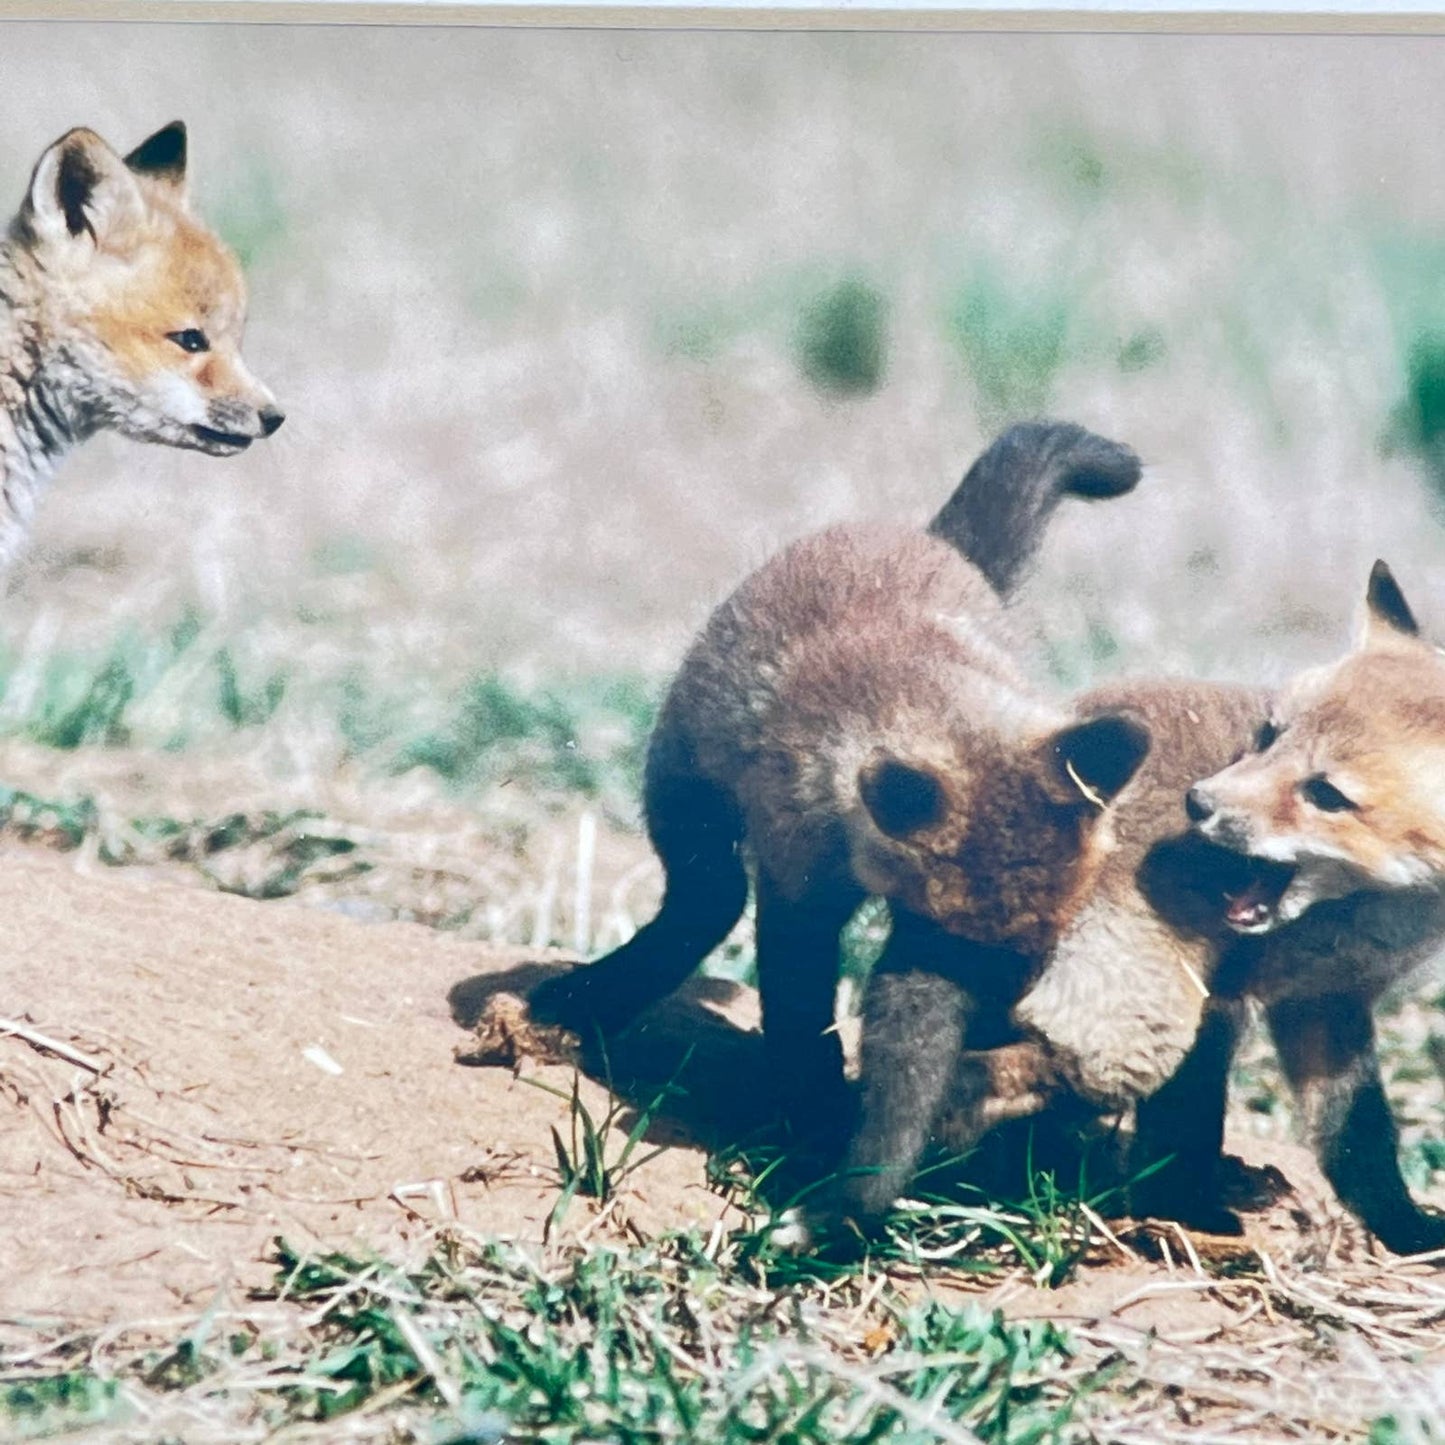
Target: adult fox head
(137,308)
(1346,791)
(993,841)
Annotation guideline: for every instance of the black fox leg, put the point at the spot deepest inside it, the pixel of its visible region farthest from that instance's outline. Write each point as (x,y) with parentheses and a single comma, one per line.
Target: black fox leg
(695,829)
(1183,1124)
(798,982)
(1327,1049)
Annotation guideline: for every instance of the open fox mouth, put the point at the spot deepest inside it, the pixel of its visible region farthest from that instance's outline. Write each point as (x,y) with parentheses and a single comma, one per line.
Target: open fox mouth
(237,441)
(1253,906)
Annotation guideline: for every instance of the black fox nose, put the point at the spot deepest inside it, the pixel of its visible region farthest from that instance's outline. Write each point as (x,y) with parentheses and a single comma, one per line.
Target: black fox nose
(271,420)
(1198,805)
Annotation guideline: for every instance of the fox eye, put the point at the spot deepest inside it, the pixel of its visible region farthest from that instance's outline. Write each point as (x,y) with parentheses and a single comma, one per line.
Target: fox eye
(1320,793)
(190,339)
(1266,737)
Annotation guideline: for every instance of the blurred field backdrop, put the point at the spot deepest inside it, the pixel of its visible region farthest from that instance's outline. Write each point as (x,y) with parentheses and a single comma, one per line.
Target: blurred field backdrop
(575,327)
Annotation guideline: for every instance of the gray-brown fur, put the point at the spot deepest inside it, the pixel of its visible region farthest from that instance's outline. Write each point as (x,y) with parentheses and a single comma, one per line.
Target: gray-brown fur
(851,722)
(1120,999)
(34,428)
(1325,1045)
(935,1018)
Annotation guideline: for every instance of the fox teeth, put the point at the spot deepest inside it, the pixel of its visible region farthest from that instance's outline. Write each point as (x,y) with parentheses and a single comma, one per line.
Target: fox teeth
(1252,907)
(1246,912)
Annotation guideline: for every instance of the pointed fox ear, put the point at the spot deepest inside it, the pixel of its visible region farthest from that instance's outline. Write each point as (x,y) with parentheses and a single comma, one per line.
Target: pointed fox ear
(81,188)
(1387,620)
(901,798)
(162,156)
(1094,760)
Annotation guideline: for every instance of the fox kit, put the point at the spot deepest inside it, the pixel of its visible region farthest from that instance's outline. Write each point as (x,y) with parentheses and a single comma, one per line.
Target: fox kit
(119,309)
(1152,891)
(851,718)
(1312,880)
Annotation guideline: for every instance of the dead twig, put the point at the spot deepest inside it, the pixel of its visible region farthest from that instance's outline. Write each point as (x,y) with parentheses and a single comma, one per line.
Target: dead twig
(44,1042)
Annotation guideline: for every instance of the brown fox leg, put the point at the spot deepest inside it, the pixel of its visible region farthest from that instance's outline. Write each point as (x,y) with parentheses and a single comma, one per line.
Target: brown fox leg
(1183,1124)
(996,1086)
(695,829)
(1327,1049)
(917,1009)
(797,950)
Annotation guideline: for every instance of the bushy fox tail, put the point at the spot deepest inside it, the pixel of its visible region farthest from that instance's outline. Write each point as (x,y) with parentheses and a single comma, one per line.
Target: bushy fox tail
(997,515)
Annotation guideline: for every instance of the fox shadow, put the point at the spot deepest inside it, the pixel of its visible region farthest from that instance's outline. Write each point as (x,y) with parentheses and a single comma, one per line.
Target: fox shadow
(695,1064)
(691,1061)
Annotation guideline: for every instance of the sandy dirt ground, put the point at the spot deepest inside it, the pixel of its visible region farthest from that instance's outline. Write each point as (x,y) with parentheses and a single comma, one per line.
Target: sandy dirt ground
(189,1076)
(234,1072)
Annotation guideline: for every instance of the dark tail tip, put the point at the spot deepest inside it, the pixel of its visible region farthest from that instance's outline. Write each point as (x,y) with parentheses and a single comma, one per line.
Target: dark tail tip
(1078,462)
(997,516)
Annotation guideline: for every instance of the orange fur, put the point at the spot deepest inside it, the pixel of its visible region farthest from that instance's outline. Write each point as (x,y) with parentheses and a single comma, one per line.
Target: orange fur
(119,309)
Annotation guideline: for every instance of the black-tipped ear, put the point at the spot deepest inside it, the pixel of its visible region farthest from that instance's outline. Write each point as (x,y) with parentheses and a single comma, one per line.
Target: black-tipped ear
(900,797)
(1095,759)
(76,182)
(1386,611)
(162,156)
(80,188)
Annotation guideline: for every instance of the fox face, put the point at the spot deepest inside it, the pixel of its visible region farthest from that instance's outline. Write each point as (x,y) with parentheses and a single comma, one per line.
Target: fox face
(993,846)
(141,307)
(1346,791)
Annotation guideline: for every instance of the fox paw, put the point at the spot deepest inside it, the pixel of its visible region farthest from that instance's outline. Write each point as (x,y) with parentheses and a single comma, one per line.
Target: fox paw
(1419,1232)
(1201,1216)
(1250,1188)
(508,1034)
(831,1236)
(590,999)
(569,1001)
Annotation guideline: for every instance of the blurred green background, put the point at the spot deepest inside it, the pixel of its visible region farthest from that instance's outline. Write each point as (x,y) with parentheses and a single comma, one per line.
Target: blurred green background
(575,327)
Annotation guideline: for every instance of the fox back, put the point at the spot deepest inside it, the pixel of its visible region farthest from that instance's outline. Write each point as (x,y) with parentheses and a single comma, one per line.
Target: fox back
(858,697)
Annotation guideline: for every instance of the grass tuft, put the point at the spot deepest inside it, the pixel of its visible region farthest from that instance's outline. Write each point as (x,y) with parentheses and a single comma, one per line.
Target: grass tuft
(243,707)
(656,1343)
(842,341)
(1013,338)
(284,852)
(32,1409)
(587,1165)
(497,732)
(77,709)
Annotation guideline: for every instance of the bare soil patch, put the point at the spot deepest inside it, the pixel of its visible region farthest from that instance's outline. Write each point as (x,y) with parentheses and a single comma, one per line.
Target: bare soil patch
(251,1070)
